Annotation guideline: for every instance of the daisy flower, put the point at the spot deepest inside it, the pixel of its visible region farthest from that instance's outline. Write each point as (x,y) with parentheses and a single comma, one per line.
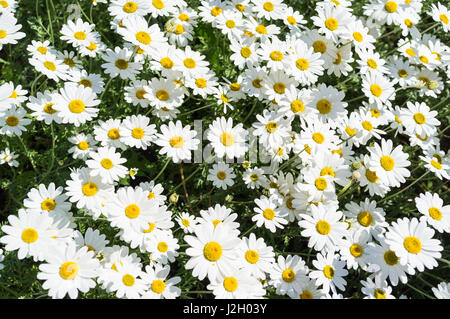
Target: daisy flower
(186,222)
(371,62)
(30,233)
(271,128)
(212,252)
(288,274)
(308,290)
(162,247)
(419,119)
(255,256)
(245,52)
(163,93)
(84,145)
(122,9)
(431,206)
(13,121)
(158,283)
(329,103)
(77,33)
(108,133)
(221,174)
(226,139)
(441,14)
(331,21)
(136,131)
(330,272)
(389,164)
(323,227)
(177,141)
(413,243)
(92,239)
(442,290)
(93,81)
(268,213)
(125,279)
(190,62)
(9,34)
(378,89)
(359,34)
(76,104)
(376,289)
(50,200)
(43,108)
(385,11)
(6,156)
(68,270)
(117,63)
(106,163)
(237,284)
(353,250)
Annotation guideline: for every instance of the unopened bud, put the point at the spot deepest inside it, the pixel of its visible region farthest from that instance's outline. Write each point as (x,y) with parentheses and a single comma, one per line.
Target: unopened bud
(228,198)
(174,198)
(266,192)
(356,165)
(246,164)
(356,175)
(433,85)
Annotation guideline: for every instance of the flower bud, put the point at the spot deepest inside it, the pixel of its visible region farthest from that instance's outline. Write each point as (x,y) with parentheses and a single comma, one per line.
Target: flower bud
(174,198)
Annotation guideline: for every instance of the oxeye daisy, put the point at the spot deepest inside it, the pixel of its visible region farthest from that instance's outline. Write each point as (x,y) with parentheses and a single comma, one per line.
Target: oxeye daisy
(245,52)
(437,164)
(13,121)
(293,19)
(221,174)
(419,119)
(308,290)
(376,289)
(323,227)
(162,247)
(106,163)
(83,78)
(230,23)
(186,222)
(154,191)
(305,64)
(68,270)
(136,131)
(51,66)
(226,139)
(237,284)
(412,241)
(330,272)
(271,128)
(353,250)
(268,213)
(18,95)
(92,239)
(442,290)
(341,66)
(118,63)
(190,62)
(158,283)
(211,10)
(9,32)
(30,233)
(76,104)
(440,14)
(367,217)
(137,31)
(49,200)
(385,11)
(83,145)
(390,164)
(256,257)
(331,21)
(254,27)
(322,45)
(329,103)
(378,89)
(177,141)
(6,156)
(122,9)
(212,251)
(359,34)
(431,206)
(255,178)
(401,71)
(42,106)
(70,59)
(125,279)
(368,178)
(276,84)
(288,274)
(219,214)
(371,62)
(77,33)
(163,93)
(108,133)
(88,191)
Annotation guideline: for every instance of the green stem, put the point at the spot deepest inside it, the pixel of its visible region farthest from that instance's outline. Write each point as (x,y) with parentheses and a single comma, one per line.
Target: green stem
(52,162)
(162,170)
(251,111)
(197,109)
(248,231)
(50,22)
(420,291)
(345,188)
(106,88)
(404,189)
(187,178)
(28,154)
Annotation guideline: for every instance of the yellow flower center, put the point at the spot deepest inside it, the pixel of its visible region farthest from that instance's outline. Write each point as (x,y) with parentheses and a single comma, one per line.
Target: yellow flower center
(50,65)
(166,62)
(89,189)
(48,204)
(150,228)
(372,63)
(318,138)
(162,247)
(189,63)
(216,11)
(306,295)
(132,211)
(158,286)
(29,235)
(302,64)
(390,258)
(423,59)
(331,24)
(288,275)
(409,23)
(371,176)
(143,37)
(92,46)
(323,106)
(327,171)
(323,227)
(319,46)
(130,7)
(106,163)
(254,177)
(320,183)
(387,163)
(121,64)
(443,18)
(3,34)
(128,280)
(158,4)
(365,219)
(227,139)
(271,127)
(328,271)
(279,88)
(367,125)
(410,52)
(85,83)
(402,73)
(114,134)
(246,52)
(379,294)
(235,87)
(12,121)
(185,222)
(357,36)
(435,213)
(183,17)
(230,284)
(176,142)
(200,83)
(80,35)
(42,50)
(376,90)
(356,250)
(297,106)
(162,95)
(350,131)
(257,83)
(212,251)
(68,270)
(269,213)
(221,175)
(70,62)
(230,24)
(268,6)
(419,118)
(137,133)
(261,29)
(76,106)
(251,256)
(291,20)
(412,244)
(276,55)
(390,6)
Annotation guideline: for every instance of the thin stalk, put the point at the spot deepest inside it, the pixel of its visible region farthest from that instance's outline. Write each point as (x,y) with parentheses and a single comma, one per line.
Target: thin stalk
(248,231)
(404,189)
(50,22)
(420,291)
(250,112)
(28,154)
(162,170)
(52,161)
(187,178)
(106,88)
(197,109)
(185,189)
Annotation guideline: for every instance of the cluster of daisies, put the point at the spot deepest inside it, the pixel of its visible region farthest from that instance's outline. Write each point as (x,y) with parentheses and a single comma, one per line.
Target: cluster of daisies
(334,144)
